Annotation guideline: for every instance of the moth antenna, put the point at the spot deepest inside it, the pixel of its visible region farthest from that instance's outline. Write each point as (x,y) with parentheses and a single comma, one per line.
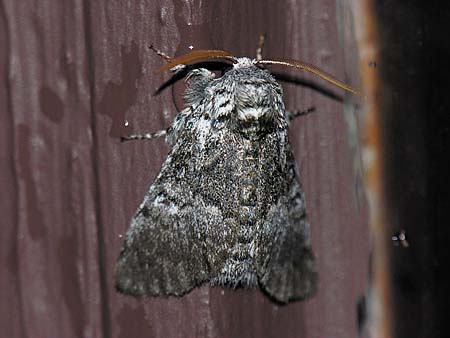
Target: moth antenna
(312,69)
(262,40)
(196,56)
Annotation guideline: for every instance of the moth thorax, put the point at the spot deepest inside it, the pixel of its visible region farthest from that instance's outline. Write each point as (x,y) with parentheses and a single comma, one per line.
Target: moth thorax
(255,102)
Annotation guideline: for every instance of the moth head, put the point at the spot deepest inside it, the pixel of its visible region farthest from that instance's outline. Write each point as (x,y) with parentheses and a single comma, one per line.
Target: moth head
(246,99)
(257,99)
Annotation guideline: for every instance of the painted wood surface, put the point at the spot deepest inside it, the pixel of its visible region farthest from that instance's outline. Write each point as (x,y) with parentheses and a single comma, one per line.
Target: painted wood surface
(73,72)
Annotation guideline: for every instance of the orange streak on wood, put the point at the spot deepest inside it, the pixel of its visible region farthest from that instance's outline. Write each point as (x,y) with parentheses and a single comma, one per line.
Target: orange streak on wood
(381,322)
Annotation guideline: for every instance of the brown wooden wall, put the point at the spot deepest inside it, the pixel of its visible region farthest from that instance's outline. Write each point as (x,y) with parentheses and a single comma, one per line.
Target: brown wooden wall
(72,73)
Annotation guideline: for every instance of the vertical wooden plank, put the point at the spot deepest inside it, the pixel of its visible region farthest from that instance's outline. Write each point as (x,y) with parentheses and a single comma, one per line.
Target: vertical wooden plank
(10,292)
(54,243)
(337,212)
(380,319)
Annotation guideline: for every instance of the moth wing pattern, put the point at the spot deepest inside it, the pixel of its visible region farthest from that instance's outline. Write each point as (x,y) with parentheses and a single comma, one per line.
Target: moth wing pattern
(285,263)
(162,254)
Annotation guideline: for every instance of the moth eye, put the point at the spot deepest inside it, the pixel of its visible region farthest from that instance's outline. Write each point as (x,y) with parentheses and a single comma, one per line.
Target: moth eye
(206,115)
(221,118)
(220,121)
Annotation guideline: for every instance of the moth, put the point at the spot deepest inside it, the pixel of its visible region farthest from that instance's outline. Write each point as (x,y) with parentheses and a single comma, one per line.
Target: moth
(227,206)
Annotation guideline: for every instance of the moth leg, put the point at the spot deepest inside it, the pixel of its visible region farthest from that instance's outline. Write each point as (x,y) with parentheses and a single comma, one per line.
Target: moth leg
(145,136)
(293,114)
(160,53)
(262,38)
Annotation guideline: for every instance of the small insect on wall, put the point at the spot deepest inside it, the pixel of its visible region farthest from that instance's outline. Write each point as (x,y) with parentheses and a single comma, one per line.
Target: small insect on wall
(227,207)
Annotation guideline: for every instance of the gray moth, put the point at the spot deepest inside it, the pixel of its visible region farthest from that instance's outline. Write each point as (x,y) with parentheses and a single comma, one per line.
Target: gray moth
(227,207)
